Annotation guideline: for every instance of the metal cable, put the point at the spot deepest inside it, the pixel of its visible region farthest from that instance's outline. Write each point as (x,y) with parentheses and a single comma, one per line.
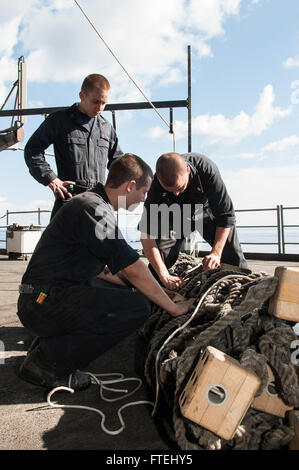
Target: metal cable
(125,70)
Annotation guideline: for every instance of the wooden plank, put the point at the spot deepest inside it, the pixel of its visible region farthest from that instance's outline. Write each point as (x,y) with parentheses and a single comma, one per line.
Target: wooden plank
(218,393)
(285,301)
(269,401)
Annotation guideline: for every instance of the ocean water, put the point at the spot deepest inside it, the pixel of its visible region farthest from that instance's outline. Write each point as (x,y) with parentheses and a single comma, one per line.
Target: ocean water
(251,240)
(255,240)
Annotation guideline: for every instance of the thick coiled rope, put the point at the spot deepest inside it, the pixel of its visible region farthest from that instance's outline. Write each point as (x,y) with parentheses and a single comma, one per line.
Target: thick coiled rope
(232,317)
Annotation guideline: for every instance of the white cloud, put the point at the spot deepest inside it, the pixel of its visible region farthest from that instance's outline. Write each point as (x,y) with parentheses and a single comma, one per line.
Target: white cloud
(209,15)
(9,69)
(218,129)
(8,66)
(13,14)
(41,203)
(281,145)
(35,104)
(246,156)
(9,32)
(243,156)
(291,62)
(149,38)
(295,93)
(272,186)
(157,132)
(175,75)
(5,204)
(274,147)
(10,10)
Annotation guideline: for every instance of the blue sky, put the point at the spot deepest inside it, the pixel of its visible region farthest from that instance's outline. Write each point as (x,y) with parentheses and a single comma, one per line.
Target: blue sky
(245,84)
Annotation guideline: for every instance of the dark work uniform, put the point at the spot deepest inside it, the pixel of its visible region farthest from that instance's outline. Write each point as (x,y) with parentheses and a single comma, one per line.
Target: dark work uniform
(81,317)
(84,147)
(209,207)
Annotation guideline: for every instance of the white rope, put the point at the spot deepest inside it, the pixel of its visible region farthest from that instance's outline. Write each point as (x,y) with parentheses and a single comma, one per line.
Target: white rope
(103,386)
(181,328)
(124,69)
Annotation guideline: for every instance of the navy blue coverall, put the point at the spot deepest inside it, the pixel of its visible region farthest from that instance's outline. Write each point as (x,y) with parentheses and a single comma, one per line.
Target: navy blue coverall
(82,316)
(84,147)
(205,188)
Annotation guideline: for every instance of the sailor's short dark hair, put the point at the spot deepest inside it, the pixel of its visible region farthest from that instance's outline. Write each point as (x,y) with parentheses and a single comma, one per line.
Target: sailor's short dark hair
(167,168)
(126,168)
(95,80)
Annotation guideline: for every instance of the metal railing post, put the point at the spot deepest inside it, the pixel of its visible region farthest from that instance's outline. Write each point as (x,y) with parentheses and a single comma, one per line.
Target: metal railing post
(189,102)
(170,120)
(113,119)
(282,228)
(278,229)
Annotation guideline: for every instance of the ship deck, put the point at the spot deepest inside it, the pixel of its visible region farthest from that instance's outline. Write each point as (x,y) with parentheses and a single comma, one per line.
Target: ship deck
(26,420)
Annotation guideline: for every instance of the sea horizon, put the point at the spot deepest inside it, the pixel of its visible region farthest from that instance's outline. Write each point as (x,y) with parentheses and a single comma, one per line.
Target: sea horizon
(254,240)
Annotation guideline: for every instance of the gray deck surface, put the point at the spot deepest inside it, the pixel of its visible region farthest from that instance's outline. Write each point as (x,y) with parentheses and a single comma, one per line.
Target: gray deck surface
(28,423)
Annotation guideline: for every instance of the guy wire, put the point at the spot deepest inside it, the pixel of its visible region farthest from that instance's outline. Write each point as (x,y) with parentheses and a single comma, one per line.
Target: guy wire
(124,69)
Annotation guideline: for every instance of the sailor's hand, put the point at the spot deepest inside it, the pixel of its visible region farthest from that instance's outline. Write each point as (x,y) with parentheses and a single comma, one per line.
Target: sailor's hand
(170,293)
(181,308)
(171,282)
(211,261)
(59,188)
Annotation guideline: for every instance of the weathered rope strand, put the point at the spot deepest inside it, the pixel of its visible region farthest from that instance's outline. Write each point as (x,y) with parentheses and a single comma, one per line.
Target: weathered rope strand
(233,317)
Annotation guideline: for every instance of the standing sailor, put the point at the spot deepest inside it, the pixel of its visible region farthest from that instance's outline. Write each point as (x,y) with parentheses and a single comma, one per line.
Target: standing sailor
(84,143)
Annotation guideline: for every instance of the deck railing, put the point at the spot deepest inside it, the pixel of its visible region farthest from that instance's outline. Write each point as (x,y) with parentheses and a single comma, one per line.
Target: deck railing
(280,227)
(37,211)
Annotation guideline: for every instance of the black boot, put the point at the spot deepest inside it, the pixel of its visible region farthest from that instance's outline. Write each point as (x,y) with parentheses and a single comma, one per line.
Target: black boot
(38,372)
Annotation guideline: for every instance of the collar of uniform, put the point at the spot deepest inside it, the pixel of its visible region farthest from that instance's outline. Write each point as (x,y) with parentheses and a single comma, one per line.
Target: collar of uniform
(194,179)
(74,111)
(100,190)
(78,116)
